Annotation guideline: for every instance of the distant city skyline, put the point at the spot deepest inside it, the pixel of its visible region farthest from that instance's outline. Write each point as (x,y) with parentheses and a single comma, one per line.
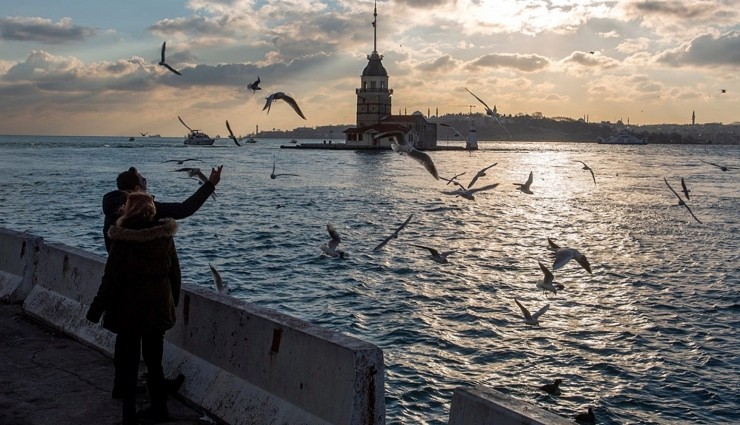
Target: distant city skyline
(91,68)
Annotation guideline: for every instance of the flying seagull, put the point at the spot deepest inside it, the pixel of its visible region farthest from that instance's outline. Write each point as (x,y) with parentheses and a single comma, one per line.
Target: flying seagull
(721,167)
(163,63)
(479,174)
(564,255)
(330,248)
(282,96)
(218,281)
(143,134)
(196,173)
(401,146)
(586,167)
(525,187)
(490,112)
(680,201)
(685,189)
(180,161)
(273,175)
(531,319)
(231,134)
(255,85)
(440,257)
(468,193)
(547,283)
(393,235)
(452,179)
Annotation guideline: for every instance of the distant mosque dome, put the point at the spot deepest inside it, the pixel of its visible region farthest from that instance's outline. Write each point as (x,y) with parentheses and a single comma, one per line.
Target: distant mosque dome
(374,67)
(417,113)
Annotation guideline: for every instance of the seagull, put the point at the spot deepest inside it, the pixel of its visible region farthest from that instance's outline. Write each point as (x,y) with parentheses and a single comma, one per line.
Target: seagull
(440,257)
(552,389)
(525,187)
(195,172)
(685,189)
(532,319)
(289,100)
(330,248)
(586,167)
(490,112)
(401,146)
(552,246)
(721,167)
(231,134)
(393,235)
(680,201)
(547,283)
(480,173)
(180,161)
(218,281)
(163,63)
(586,418)
(143,134)
(273,175)
(255,85)
(563,255)
(452,179)
(468,193)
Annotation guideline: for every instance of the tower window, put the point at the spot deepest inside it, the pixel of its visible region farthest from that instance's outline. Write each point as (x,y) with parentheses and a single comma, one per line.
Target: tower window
(382,85)
(372,84)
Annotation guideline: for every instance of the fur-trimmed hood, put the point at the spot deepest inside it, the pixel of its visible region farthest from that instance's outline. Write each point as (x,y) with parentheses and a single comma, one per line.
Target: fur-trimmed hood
(164,228)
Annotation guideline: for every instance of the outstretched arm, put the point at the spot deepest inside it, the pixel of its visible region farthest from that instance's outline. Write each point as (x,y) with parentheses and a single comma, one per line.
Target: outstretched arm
(179,210)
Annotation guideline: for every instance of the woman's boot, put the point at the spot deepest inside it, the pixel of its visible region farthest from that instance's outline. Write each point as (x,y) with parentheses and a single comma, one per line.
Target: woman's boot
(129,412)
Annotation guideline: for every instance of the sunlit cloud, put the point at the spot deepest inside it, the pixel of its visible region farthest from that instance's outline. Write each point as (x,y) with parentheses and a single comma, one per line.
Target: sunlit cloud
(633,45)
(705,50)
(18,28)
(521,62)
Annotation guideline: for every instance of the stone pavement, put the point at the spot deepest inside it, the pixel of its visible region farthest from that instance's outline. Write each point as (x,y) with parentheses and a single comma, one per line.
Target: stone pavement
(47,378)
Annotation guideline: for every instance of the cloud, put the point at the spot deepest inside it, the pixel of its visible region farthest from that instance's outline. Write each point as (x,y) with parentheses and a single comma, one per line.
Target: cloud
(521,62)
(589,61)
(18,28)
(629,88)
(444,63)
(633,45)
(679,17)
(705,50)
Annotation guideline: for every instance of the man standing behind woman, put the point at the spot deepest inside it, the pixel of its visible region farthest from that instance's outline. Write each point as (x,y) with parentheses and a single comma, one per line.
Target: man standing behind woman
(138,295)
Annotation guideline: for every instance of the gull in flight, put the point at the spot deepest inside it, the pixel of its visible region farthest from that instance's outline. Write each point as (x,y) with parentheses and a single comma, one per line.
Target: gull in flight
(196,173)
(143,134)
(680,201)
(330,248)
(180,161)
(231,134)
(393,235)
(490,112)
(547,283)
(273,175)
(685,189)
(401,145)
(564,255)
(531,319)
(255,85)
(282,96)
(479,174)
(163,63)
(552,389)
(525,187)
(218,281)
(452,179)
(468,193)
(586,167)
(721,167)
(440,257)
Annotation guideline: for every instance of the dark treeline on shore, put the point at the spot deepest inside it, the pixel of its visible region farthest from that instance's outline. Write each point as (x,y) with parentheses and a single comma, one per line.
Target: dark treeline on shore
(536,127)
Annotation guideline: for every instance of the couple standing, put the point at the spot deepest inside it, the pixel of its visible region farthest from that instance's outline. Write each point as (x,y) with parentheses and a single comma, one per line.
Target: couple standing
(140,288)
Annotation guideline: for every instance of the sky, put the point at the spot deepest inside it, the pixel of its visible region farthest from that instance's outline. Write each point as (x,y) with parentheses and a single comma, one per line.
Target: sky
(90,67)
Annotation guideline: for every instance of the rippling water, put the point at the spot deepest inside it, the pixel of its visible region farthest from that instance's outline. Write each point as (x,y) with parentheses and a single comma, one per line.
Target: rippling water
(650,337)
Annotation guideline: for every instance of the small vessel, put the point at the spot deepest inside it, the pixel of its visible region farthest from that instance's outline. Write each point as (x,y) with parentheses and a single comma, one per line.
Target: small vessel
(249,140)
(131,139)
(196,137)
(622,138)
(154,135)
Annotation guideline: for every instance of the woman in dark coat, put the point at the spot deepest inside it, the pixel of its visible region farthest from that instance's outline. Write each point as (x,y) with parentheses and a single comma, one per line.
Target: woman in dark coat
(137,296)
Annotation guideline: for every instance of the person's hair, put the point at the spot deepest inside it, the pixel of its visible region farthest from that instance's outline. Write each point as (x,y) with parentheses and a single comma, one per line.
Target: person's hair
(139,208)
(128,180)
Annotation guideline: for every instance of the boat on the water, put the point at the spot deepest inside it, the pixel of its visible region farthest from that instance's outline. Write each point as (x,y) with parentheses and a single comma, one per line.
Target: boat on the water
(249,140)
(622,138)
(196,137)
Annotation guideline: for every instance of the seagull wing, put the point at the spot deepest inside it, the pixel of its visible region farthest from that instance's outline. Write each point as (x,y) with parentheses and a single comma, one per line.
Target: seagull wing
(562,256)
(424,160)
(685,189)
(669,187)
(710,163)
(692,214)
(549,277)
(552,245)
(333,233)
(231,134)
(529,180)
(524,310)
(541,311)
(479,99)
(164,43)
(382,244)
(592,174)
(405,223)
(475,179)
(268,102)
(217,280)
(294,105)
(171,68)
(487,187)
(431,250)
(393,235)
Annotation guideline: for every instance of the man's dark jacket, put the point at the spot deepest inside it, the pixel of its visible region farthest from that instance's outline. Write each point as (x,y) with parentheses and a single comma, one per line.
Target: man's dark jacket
(114,201)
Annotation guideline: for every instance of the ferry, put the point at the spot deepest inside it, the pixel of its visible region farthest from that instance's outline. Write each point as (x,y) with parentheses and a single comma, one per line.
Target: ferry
(622,138)
(196,137)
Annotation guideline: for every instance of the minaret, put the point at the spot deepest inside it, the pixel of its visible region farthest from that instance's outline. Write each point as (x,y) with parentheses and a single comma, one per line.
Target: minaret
(374,96)
(693,117)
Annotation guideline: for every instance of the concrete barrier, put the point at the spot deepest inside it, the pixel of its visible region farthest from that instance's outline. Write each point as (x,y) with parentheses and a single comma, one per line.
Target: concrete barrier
(483,406)
(18,257)
(244,364)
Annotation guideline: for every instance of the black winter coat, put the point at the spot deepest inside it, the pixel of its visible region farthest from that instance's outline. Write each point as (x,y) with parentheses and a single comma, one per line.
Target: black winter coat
(114,201)
(141,284)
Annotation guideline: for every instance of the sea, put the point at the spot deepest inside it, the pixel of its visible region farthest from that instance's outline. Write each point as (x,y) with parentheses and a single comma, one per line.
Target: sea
(651,337)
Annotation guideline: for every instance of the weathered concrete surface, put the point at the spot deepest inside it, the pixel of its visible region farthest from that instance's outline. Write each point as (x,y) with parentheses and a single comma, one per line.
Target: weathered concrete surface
(47,378)
(18,257)
(484,406)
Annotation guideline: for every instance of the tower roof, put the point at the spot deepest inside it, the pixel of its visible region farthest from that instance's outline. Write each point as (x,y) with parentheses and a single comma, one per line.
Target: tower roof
(374,66)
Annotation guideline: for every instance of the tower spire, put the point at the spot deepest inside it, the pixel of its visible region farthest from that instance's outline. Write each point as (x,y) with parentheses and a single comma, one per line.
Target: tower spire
(375,28)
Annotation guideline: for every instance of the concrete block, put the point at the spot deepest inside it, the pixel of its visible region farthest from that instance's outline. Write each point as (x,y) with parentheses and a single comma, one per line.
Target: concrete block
(18,258)
(480,405)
